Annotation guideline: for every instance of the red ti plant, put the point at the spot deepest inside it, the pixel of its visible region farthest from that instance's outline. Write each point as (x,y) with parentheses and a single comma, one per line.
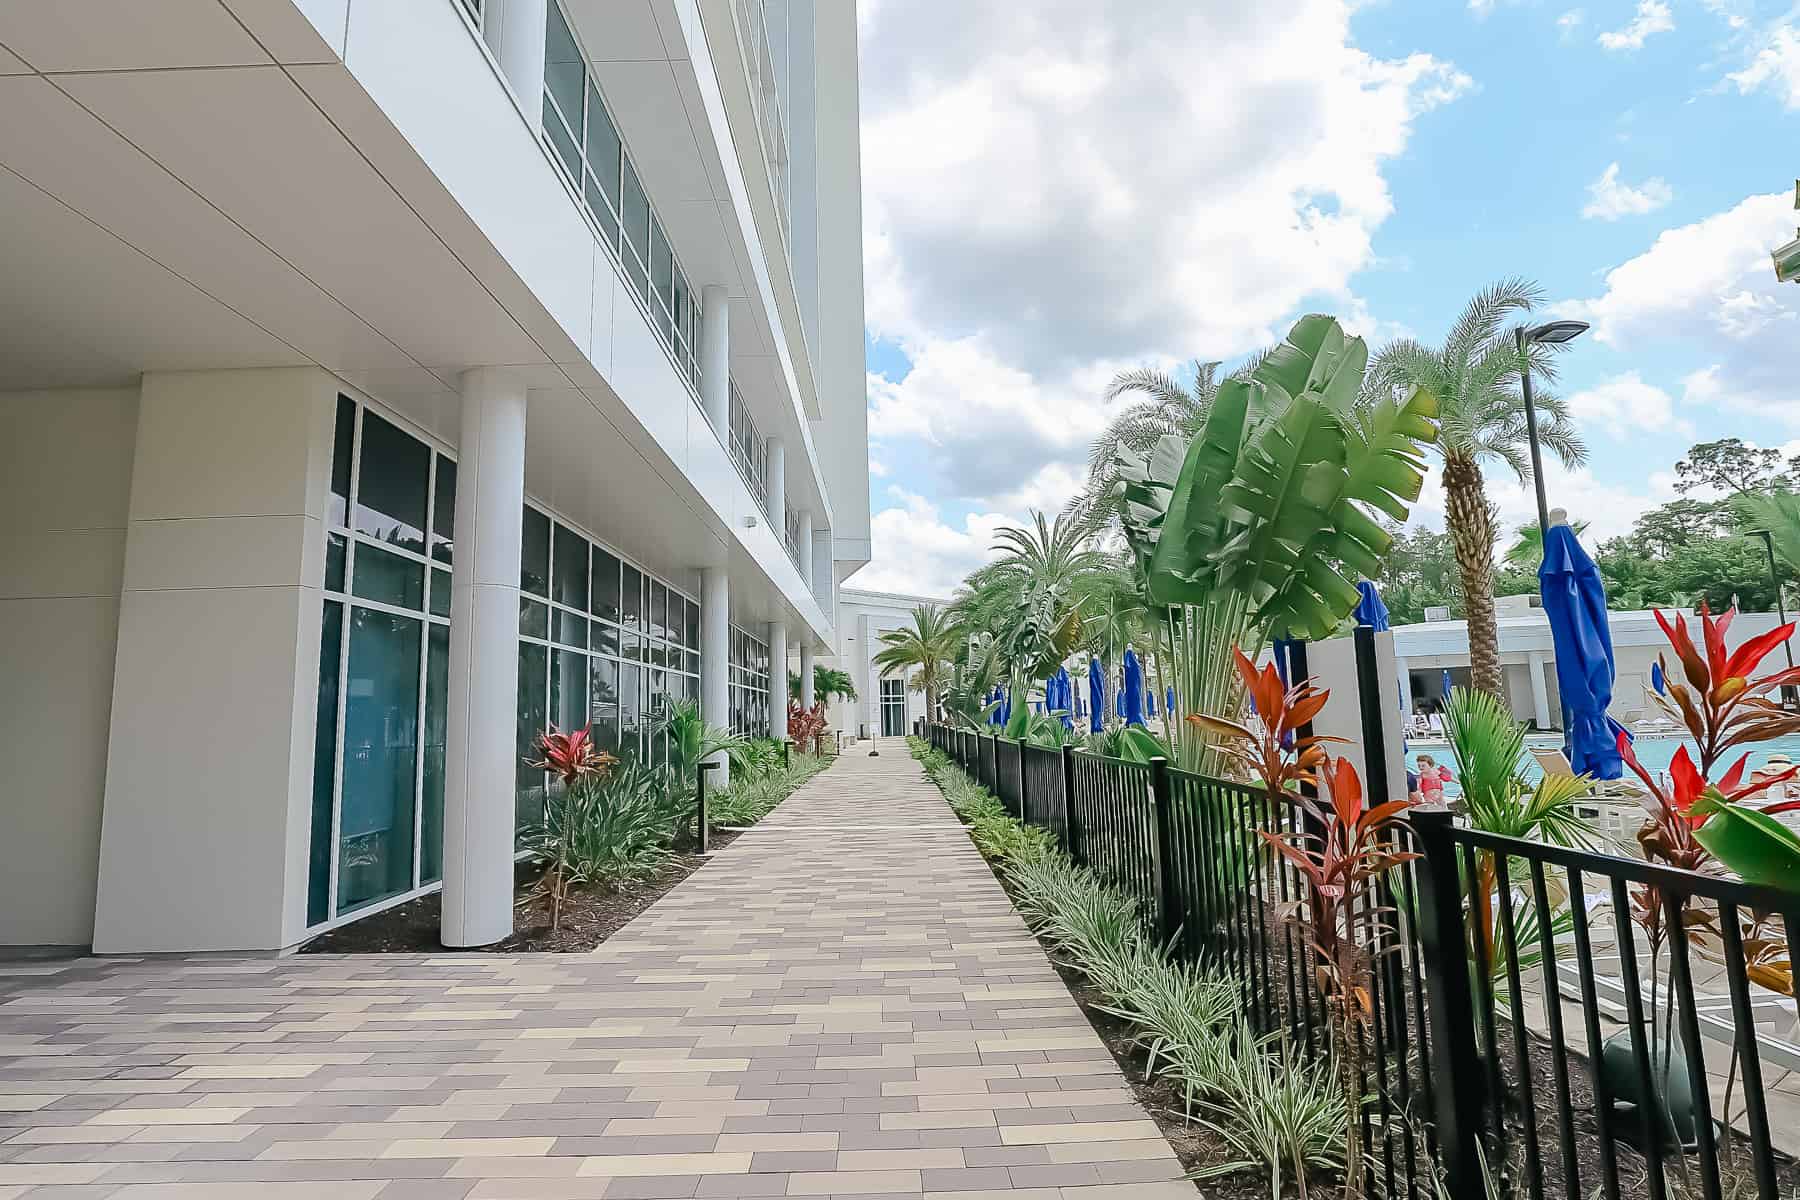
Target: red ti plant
(573,758)
(1269,744)
(807,726)
(1341,856)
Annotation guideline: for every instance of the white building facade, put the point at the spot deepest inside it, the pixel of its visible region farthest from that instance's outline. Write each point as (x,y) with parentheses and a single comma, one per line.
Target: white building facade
(884,706)
(382,381)
(1427,650)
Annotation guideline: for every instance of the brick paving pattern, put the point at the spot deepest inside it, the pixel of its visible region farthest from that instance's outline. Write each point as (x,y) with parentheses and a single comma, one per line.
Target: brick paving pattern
(843,1002)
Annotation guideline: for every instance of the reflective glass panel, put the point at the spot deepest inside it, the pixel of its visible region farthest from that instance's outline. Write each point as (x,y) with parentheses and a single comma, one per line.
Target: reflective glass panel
(604,602)
(568,689)
(381,744)
(603,702)
(534,673)
(388,578)
(564,75)
(335,553)
(534,553)
(431,815)
(534,618)
(342,452)
(570,586)
(603,148)
(443,509)
(318,877)
(631,598)
(440,593)
(391,485)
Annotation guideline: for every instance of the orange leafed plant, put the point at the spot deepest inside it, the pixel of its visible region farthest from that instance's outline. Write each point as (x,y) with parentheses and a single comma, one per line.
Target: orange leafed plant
(1721,705)
(1270,745)
(572,756)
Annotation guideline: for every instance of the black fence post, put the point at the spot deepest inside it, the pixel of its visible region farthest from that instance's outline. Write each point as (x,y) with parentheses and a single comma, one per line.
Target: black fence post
(1163,843)
(700,804)
(1071,824)
(1443,950)
(1023,808)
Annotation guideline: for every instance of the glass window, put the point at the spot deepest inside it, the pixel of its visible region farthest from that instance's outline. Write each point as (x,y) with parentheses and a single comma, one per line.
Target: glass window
(631,599)
(568,689)
(431,805)
(534,569)
(693,626)
(318,877)
(634,213)
(571,583)
(342,451)
(603,702)
(440,593)
(662,271)
(605,637)
(334,562)
(630,705)
(534,619)
(571,628)
(603,149)
(564,75)
(391,485)
(388,578)
(560,139)
(603,212)
(534,683)
(381,717)
(443,509)
(659,609)
(605,598)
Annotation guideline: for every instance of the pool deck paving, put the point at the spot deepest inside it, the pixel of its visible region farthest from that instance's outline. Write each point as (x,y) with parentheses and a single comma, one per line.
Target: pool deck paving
(842,1002)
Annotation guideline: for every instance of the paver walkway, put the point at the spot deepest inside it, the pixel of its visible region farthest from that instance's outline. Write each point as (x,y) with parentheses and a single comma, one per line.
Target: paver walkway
(842,1002)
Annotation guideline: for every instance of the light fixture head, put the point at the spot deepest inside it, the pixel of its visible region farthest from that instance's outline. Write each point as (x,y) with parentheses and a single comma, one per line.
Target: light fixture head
(1555,333)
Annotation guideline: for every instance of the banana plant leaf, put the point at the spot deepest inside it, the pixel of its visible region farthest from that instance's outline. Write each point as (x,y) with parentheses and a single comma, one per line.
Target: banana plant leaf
(1754,844)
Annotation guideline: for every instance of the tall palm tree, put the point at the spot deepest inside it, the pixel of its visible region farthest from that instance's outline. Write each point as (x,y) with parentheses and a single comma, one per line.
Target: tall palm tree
(1025,597)
(827,683)
(1166,407)
(927,649)
(1481,415)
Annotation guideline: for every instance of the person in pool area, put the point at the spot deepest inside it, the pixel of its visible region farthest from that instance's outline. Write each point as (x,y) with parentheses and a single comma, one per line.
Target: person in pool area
(1432,779)
(1777,766)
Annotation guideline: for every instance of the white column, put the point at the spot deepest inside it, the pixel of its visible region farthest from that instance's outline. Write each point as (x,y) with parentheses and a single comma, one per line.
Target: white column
(776,494)
(515,30)
(1404,671)
(480,773)
(1540,692)
(806,674)
(778,685)
(715,659)
(715,357)
(805,547)
(871,677)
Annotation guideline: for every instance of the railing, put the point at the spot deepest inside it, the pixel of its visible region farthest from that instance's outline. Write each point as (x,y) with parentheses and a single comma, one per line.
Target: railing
(1486,1039)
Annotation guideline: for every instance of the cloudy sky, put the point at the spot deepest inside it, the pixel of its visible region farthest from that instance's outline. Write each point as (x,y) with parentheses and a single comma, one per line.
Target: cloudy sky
(1059,189)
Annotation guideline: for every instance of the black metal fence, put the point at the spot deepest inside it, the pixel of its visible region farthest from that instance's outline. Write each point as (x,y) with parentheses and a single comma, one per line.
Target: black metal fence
(1486,1026)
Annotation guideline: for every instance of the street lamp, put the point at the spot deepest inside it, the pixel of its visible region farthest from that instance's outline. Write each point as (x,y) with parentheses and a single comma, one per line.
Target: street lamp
(1768,540)
(1550,333)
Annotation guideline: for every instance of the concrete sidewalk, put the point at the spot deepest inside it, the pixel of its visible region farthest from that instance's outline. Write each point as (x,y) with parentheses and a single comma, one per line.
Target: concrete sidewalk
(843,1002)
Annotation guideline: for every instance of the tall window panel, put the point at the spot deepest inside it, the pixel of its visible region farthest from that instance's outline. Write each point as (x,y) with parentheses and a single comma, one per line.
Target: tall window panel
(750,697)
(378,762)
(602,643)
(585,141)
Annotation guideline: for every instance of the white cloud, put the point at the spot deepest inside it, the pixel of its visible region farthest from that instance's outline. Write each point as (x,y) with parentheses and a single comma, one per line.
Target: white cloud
(1625,404)
(1570,21)
(1653,17)
(878,469)
(918,553)
(1776,67)
(1053,191)
(1710,286)
(1609,198)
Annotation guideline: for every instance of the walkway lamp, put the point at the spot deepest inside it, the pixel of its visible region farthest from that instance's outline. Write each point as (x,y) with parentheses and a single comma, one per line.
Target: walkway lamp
(1550,333)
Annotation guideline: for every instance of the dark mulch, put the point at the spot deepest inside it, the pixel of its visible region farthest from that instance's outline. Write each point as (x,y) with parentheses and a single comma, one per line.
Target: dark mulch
(589,916)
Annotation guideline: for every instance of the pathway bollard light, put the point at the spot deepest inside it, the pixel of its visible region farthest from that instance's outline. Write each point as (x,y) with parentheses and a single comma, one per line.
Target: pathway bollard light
(700,804)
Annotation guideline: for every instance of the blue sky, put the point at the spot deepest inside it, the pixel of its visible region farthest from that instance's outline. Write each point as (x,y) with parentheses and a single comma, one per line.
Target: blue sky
(1053,196)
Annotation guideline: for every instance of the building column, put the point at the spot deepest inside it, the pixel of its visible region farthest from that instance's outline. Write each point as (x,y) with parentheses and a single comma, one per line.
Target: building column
(715,659)
(805,547)
(871,681)
(715,357)
(481,757)
(1540,691)
(776,494)
(1404,671)
(515,31)
(807,698)
(778,683)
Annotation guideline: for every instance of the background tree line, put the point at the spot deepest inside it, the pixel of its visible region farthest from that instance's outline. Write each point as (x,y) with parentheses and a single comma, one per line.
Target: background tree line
(1677,554)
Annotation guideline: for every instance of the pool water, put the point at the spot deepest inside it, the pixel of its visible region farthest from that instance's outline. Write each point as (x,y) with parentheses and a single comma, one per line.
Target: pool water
(1654,752)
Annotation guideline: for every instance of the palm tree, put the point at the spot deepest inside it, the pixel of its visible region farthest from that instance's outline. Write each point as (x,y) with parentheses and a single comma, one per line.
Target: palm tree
(1481,414)
(1528,551)
(1025,597)
(927,650)
(1167,407)
(827,682)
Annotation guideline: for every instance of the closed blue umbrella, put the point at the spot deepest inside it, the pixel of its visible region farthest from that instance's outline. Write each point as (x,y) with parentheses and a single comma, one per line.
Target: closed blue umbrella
(1096,696)
(1575,602)
(1005,705)
(1133,692)
(1656,678)
(1169,699)
(1150,702)
(998,700)
(1065,694)
(1446,683)
(1370,610)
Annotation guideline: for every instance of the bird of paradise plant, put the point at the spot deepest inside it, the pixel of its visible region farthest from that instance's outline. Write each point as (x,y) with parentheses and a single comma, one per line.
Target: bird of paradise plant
(1341,855)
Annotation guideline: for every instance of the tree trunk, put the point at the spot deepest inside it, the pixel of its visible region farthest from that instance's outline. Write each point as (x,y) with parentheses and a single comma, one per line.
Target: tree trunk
(1471,522)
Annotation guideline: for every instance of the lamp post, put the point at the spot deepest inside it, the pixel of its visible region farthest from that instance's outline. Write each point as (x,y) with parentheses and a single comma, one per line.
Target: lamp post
(1551,333)
(1768,540)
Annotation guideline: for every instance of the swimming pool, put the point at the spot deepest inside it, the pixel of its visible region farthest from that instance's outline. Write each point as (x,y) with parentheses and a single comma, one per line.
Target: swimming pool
(1654,751)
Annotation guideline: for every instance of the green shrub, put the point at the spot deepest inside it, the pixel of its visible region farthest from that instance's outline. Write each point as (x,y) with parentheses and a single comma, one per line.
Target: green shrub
(608,829)
(1278,1111)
